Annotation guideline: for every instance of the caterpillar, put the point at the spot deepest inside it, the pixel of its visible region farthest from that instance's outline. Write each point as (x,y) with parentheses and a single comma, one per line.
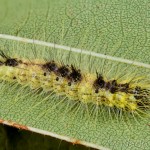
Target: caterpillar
(71,82)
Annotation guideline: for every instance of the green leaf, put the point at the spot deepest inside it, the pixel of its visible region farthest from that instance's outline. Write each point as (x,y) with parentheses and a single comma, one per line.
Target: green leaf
(116,28)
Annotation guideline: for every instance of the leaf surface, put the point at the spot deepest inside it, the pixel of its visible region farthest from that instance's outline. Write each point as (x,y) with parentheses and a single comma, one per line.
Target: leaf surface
(116,28)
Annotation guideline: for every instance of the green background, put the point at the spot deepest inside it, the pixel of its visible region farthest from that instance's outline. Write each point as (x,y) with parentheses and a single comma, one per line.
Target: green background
(119,28)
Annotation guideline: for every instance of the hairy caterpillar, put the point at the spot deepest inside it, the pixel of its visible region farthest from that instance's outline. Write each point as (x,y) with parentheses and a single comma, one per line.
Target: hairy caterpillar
(110,28)
(68,81)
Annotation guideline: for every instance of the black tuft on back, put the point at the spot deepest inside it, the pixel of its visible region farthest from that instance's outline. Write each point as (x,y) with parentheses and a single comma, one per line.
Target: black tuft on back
(75,74)
(51,66)
(11,62)
(63,71)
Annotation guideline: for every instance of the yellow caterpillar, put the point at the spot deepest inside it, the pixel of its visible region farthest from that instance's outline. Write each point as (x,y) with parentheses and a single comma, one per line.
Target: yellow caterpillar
(72,83)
